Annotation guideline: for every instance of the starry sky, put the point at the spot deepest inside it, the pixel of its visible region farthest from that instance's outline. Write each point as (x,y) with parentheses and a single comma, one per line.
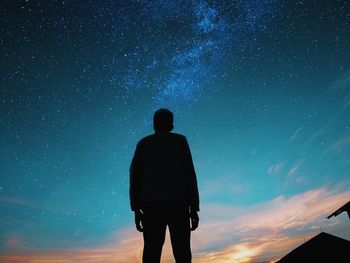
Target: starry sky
(260,88)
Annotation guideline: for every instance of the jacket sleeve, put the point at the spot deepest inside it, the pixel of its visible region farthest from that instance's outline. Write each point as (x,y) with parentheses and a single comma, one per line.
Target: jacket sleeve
(134,178)
(191,178)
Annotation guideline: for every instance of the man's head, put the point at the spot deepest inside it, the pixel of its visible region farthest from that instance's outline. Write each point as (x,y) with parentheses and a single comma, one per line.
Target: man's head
(163,120)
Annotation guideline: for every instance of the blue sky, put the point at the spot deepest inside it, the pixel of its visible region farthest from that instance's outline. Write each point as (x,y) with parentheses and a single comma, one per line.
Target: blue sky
(261,90)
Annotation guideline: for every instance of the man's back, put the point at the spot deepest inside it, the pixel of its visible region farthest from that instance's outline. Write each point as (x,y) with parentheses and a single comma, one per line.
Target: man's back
(162,169)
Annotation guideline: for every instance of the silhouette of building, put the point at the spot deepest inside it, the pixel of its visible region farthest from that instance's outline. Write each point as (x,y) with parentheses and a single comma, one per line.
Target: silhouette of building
(322,248)
(344,208)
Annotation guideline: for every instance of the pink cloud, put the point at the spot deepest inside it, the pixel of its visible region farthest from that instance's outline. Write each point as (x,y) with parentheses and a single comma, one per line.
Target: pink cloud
(261,232)
(129,249)
(15,242)
(277,220)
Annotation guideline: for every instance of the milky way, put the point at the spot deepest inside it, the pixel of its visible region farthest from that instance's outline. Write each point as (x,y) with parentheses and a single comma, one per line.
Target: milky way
(197,35)
(178,46)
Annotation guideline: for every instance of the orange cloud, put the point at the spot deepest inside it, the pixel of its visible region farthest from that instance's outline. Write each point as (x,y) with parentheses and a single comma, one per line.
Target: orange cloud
(252,251)
(126,251)
(262,232)
(267,231)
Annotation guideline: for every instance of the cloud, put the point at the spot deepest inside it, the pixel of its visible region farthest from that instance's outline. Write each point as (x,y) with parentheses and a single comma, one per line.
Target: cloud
(266,231)
(293,171)
(18,201)
(222,185)
(14,242)
(340,145)
(295,134)
(252,252)
(276,168)
(342,83)
(127,250)
(262,232)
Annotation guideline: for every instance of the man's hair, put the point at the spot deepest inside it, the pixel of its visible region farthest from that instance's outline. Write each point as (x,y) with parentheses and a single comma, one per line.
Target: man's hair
(163,120)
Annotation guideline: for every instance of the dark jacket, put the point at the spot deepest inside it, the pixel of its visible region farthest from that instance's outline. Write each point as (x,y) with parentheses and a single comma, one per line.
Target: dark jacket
(162,169)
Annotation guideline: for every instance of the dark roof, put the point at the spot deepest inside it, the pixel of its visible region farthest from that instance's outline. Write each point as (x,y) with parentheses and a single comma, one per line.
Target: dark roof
(344,208)
(322,248)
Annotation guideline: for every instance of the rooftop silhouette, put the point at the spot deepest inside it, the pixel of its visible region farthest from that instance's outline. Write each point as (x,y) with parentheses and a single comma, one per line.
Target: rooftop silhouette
(344,208)
(322,248)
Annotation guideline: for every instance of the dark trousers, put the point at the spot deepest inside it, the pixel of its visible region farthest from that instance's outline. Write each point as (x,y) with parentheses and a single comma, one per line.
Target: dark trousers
(156,217)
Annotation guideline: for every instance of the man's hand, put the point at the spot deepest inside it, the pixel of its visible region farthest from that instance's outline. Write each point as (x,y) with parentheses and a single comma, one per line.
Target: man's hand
(138,220)
(194,220)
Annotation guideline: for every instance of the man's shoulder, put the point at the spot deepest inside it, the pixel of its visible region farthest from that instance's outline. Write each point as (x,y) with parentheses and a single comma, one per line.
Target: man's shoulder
(146,139)
(152,137)
(178,136)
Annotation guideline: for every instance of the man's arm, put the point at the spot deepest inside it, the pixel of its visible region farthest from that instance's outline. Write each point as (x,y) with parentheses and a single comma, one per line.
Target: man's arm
(134,177)
(191,179)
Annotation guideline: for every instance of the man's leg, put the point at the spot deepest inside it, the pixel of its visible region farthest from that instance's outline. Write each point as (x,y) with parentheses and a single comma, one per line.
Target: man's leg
(154,228)
(180,233)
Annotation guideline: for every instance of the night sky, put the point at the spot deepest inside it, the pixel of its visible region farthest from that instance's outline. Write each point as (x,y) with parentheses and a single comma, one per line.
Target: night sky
(260,88)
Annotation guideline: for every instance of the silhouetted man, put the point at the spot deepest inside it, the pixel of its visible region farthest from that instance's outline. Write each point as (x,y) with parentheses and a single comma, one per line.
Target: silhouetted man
(163,190)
